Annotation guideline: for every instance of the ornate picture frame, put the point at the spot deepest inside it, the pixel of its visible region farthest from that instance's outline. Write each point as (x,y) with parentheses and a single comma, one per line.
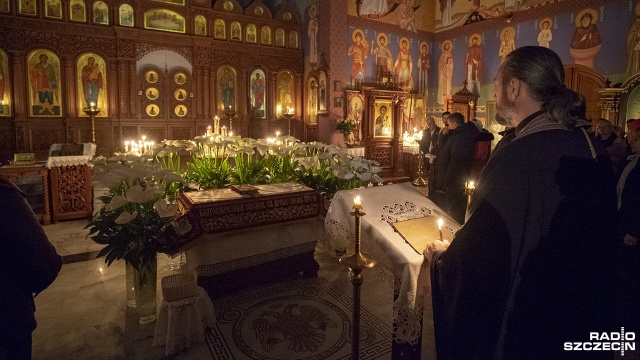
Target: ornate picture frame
(382,124)
(5,86)
(323,92)
(257,91)
(45,90)
(164,20)
(91,78)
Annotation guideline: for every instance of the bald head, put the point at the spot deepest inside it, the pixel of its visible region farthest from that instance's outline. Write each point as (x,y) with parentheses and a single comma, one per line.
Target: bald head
(431,123)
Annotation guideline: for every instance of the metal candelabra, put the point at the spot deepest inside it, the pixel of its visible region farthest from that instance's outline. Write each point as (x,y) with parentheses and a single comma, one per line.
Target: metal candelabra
(469,189)
(92,111)
(288,117)
(420,180)
(356,262)
(230,114)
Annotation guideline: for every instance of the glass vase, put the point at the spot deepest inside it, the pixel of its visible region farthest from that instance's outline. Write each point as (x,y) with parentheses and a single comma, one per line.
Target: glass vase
(145,281)
(131,293)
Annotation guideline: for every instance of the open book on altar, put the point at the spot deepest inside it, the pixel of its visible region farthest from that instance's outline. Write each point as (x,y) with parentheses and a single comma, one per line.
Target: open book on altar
(421,232)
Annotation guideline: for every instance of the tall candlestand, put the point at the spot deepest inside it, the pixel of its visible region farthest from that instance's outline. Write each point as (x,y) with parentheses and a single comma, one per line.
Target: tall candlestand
(288,117)
(469,189)
(230,114)
(92,112)
(420,180)
(356,262)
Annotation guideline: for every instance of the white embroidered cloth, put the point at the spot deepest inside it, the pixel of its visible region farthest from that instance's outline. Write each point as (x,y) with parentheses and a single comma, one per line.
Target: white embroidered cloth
(88,152)
(183,322)
(384,205)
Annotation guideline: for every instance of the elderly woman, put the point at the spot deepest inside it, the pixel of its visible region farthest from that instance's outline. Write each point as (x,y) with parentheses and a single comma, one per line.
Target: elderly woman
(615,146)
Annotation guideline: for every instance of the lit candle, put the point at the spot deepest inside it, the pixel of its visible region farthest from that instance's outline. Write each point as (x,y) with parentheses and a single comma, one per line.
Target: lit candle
(92,105)
(440,222)
(472,185)
(230,133)
(126,146)
(277,133)
(357,203)
(209,130)
(278,110)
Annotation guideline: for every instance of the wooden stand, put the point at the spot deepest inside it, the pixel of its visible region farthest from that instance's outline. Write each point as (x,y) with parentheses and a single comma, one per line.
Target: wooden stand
(71,192)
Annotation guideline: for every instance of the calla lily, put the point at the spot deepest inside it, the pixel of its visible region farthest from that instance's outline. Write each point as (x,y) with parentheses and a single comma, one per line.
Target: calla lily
(117,202)
(165,210)
(138,194)
(126,217)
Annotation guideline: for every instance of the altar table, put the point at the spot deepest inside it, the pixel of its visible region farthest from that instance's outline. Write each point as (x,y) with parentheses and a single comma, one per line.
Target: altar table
(383,206)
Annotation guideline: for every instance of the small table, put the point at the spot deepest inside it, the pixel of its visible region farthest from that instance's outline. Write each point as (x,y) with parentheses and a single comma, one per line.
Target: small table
(384,205)
(183,322)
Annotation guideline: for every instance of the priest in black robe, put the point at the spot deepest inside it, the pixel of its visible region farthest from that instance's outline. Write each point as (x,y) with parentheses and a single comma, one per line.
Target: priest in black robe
(533,267)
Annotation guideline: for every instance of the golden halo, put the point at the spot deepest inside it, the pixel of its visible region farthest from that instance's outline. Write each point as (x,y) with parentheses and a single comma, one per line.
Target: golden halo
(424,43)
(446,42)
(382,35)
(404,39)
(584,11)
(476,36)
(549,21)
(356,31)
(504,31)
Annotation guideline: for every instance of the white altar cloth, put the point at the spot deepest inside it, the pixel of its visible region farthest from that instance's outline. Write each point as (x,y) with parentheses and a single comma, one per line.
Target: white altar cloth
(88,152)
(384,205)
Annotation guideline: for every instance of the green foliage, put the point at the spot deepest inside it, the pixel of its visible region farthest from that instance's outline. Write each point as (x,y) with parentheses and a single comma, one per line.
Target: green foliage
(345,127)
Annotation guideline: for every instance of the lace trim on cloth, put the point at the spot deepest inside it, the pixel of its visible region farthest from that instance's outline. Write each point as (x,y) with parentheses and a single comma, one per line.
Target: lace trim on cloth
(250,261)
(59,161)
(407,321)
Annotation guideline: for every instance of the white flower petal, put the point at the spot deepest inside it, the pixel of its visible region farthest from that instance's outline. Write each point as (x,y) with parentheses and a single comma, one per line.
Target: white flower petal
(117,202)
(165,210)
(126,217)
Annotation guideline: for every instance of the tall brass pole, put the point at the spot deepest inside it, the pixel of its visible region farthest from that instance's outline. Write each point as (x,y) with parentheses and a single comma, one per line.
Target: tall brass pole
(356,262)
(92,112)
(230,114)
(420,180)
(288,117)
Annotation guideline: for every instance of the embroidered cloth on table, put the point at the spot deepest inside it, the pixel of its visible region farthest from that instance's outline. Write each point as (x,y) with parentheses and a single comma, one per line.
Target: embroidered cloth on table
(88,152)
(411,149)
(183,322)
(383,206)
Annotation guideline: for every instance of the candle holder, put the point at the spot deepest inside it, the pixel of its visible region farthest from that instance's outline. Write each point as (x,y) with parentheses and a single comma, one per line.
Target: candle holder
(356,262)
(92,111)
(420,180)
(288,116)
(230,114)
(469,189)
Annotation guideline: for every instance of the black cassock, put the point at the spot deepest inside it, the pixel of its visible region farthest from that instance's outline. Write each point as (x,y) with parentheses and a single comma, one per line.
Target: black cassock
(533,267)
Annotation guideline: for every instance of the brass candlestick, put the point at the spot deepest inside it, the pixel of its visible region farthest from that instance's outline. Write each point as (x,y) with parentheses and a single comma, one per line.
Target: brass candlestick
(230,114)
(92,111)
(469,189)
(288,116)
(420,180)
(356,262)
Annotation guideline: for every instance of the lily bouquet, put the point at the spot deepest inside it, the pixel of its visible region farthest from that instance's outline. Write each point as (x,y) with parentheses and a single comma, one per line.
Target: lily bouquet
(138,207)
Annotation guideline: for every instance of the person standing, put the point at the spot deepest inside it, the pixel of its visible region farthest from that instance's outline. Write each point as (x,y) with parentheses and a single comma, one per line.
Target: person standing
(44,82)
(531,271)
(28,265)
(429,140)
(451,167)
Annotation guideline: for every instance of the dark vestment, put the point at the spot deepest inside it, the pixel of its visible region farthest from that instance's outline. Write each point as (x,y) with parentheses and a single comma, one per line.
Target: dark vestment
(451,171)
(428,140)
(533,267)
(28,265)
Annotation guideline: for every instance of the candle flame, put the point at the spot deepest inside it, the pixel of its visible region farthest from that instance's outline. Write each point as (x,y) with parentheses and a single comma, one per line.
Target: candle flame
(440,222)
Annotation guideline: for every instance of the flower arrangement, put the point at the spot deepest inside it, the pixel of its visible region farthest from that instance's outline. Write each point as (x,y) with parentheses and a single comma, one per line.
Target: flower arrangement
(139,205)
(346,127)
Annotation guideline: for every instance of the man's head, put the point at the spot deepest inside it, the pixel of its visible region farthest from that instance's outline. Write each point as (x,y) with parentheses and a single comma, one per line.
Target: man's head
(474,40)
(545,25)
(445,117)
(447,46)
(358,36)
(604,127)
(404,44)
(424,49)
(455,120)
(633,127)
(431,123)
(43,58)
(381,41)
(531,79)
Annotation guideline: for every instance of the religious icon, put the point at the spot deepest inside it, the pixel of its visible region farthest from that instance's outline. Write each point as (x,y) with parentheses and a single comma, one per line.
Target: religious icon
(355,109)
(293,39)
(265,35)
(226,88)
(423,67)
(152,110)
(180,94)
(53,9)
(322,92)
(228,6)
(312,96)
(219,29)
(27,7)
(44,79)
(236,31)
(180,110)
(200,26)
(474,63)
(404,66)
(151,77)
(126,15)
(152,93)
(100,13)
(4,6)
(383,124)
(383,58)
(507,42)
(545,36)
(251,33)
(285,98)
(5,90)
(445,71)
(280,37)
(92,83)
(164,20)
(586,42)
(77,11)
(359,50)
(313,34)
(257,91)
(180,78)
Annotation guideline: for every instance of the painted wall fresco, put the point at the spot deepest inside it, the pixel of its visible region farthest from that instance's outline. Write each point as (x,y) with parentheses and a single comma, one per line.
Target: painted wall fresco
(411,15)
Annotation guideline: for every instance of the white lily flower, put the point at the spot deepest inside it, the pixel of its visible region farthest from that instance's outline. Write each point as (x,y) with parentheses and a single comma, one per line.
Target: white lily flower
(117,202)
(342,172)
(376,178)
(364,176)
(165,210)
(126,217)
(138,194)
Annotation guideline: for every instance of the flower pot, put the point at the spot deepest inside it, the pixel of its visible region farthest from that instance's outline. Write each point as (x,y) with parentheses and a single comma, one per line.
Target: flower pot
(131,293)
(145,281)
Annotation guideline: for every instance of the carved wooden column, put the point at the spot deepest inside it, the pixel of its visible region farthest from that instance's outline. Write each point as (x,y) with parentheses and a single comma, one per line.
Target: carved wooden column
(198,76)
(610,105)
(398,130)
(122,89)
(271,114)
(206,93)
(19,73)
(70,87)
(112,95)
(134,101)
